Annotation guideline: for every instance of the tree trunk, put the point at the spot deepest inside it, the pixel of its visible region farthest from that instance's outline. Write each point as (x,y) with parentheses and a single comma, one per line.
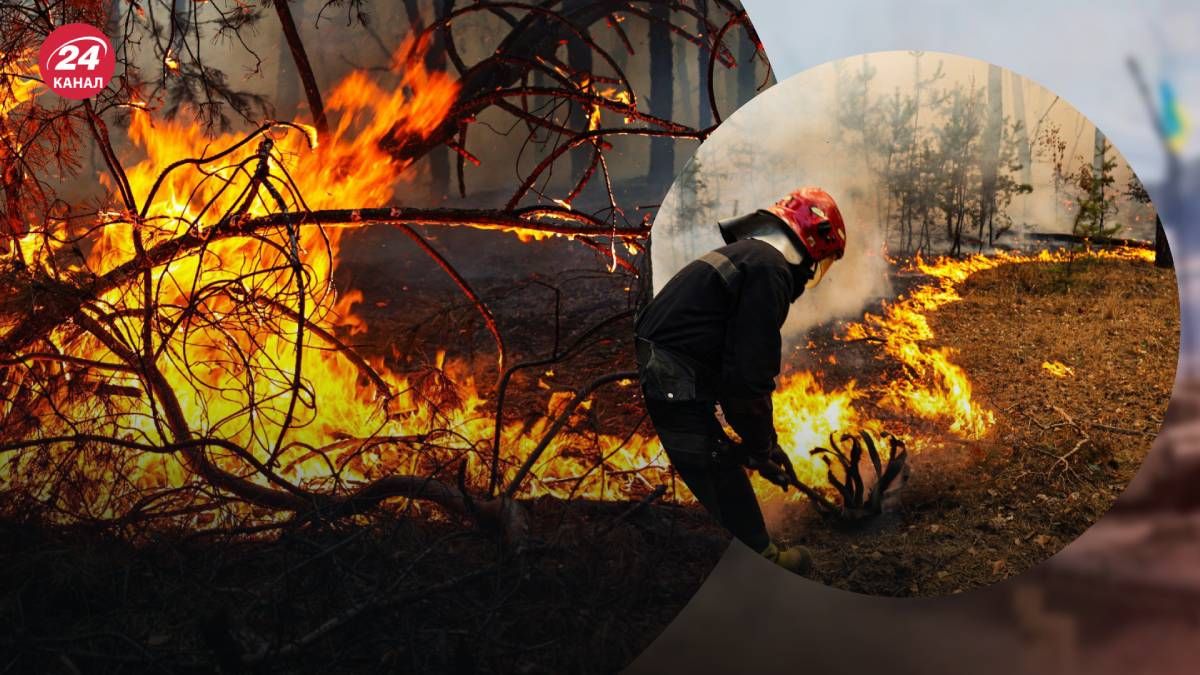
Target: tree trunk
(435,60)
(1162,251)
(300,58)
(702,68)
(747,80)
(439,158)
(683,77)
(1098,179)
(181,22)
(1024,145)
(662,92)
(579,59)
(990,148)
(287,89)
(911,192)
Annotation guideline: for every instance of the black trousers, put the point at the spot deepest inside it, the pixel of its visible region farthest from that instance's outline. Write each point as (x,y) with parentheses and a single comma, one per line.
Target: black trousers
(708,462)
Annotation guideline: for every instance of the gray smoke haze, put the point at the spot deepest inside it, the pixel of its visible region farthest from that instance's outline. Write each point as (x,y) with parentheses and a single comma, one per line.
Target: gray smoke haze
(780,140)
(791,135)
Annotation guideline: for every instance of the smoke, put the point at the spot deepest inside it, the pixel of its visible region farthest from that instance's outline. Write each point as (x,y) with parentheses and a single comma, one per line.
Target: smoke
(782,139)
(852,283)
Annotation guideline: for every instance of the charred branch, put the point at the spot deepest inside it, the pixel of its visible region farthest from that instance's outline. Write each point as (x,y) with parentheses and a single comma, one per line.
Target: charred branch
(300,56)
(858,500)
(559,423)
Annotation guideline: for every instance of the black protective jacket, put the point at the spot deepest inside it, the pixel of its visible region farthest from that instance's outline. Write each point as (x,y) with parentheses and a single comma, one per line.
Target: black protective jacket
(722,315)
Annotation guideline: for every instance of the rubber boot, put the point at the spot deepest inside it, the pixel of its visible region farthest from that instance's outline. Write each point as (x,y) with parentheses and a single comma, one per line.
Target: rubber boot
(793,558)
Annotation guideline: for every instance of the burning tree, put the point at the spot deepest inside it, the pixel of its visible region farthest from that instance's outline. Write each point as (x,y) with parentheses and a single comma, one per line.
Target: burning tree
(173,348)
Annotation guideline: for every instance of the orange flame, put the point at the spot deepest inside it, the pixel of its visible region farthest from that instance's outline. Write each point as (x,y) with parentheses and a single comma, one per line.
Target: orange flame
(232,323)
(928,386)
(18,85)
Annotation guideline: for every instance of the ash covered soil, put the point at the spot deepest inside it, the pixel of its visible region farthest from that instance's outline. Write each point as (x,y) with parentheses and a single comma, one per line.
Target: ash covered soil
(1061,451)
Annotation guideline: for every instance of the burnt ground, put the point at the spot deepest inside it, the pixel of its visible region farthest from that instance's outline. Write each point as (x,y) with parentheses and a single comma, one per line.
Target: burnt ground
(401,595)
(978,512)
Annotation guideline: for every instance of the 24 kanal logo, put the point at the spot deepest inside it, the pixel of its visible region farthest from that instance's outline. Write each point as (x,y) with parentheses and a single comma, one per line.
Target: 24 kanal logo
(76,61)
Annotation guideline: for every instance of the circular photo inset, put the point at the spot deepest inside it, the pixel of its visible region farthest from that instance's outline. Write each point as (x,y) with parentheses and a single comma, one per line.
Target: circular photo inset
(914,324)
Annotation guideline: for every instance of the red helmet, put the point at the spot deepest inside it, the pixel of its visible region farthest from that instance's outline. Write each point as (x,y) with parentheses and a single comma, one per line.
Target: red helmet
(814,218)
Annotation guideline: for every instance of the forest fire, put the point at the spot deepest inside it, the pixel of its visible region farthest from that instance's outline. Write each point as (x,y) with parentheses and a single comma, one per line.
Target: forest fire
(22,84)
(921,382)
(245,332)
(175,352)
(329,316)
(321,416)
(339,426)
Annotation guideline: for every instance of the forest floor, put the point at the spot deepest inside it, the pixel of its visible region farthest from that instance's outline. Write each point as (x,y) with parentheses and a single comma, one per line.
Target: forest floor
(595,586)
(1062,449)
(389,592)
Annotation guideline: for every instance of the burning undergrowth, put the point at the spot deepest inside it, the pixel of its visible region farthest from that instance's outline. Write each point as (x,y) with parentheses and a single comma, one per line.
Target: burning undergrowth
(922,396)
(1069,358)
(354,421)
(197,412)
(209,346)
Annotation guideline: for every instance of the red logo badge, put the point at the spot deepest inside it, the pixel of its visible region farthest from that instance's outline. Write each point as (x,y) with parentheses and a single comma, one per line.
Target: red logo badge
(76,61)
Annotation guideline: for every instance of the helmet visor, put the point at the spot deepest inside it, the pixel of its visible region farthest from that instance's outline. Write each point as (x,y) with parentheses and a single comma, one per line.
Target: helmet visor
(819,274)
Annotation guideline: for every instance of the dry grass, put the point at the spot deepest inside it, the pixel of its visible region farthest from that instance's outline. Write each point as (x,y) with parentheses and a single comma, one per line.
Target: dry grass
(1062,449)
(1114,324)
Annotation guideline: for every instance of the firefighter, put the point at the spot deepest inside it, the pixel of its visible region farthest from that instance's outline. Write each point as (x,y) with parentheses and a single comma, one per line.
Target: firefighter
(711,337)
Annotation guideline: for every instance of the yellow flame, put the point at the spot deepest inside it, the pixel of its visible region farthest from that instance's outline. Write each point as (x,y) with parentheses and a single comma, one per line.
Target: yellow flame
(1058,369)
(20,84)
(929,386)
